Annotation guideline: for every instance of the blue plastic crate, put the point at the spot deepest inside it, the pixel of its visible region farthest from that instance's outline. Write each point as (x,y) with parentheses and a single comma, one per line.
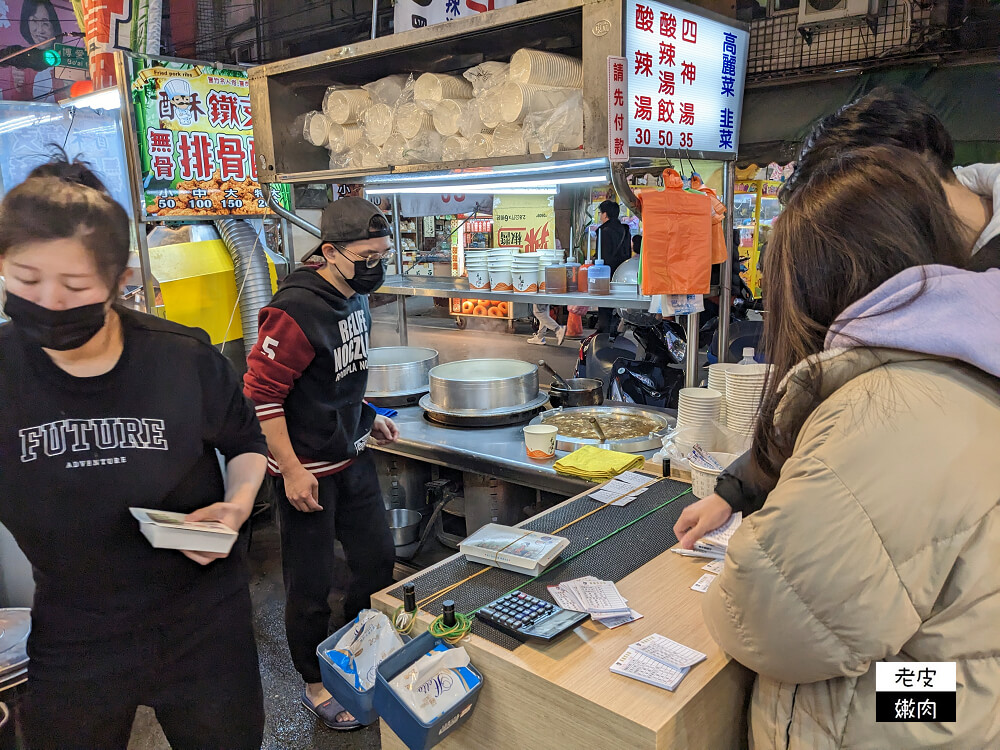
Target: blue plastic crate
(413,732)
(358,702)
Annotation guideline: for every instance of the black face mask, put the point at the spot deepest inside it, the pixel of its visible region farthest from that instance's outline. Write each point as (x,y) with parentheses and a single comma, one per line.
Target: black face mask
(366,280)
(60,330)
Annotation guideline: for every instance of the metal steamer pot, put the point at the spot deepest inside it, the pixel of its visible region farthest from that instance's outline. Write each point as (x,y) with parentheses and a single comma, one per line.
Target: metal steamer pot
(483,385)
(581,392)
(399,373)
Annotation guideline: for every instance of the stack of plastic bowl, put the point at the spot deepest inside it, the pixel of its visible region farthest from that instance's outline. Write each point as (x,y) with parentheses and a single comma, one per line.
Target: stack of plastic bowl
(545,68)
(378,120)
(481,146)
(717,382)
(524,269)
(343,137)
(344,106)
(434,87)
(454,148)
(447,115)
(500,262)
(517,100)
(412,120)
(697,412)
(744,389)
(478,269)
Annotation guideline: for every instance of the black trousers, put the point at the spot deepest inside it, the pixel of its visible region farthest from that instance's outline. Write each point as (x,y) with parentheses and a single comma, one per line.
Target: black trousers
(353,513)
(607,321)
(200,675)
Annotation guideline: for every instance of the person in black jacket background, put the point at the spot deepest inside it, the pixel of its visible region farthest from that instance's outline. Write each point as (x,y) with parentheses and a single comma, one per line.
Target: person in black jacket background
(616,248)
(883,117)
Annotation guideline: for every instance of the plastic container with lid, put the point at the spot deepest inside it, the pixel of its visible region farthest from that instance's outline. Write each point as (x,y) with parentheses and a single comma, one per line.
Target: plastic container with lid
(599,278)
(572,268)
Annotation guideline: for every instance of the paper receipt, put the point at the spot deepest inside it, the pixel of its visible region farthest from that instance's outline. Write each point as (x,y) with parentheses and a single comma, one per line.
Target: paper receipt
(703,583)
(668,652)
(714,567)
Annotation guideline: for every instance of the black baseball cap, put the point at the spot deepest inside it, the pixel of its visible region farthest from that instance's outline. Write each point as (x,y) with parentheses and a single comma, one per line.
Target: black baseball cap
(349,220)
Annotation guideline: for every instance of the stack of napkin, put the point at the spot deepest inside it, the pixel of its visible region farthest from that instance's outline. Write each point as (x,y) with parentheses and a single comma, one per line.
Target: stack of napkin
(597,464)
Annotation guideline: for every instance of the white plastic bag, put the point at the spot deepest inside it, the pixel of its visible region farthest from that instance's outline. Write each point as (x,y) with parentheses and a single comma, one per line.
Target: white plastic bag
(435,682)
(369,642)
(677,304)
(557,129)
(486,75)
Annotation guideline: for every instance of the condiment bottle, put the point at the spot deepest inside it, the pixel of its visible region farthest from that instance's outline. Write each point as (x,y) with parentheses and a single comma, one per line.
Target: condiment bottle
(599,278)
(572,269)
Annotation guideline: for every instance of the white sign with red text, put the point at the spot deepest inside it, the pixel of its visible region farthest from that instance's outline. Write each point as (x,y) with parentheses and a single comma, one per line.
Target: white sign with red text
(416,14)
(618,139)
(685,75)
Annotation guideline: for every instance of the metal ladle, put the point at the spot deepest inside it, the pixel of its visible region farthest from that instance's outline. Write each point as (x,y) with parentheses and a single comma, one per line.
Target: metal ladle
(600,432)
(558,378)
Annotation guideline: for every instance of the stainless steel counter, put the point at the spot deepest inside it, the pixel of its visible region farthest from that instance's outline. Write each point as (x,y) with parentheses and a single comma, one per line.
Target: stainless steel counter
(496,451)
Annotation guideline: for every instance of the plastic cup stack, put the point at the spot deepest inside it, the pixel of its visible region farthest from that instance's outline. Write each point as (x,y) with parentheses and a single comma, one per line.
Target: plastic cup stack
(447,115)
(412,120)
(378,123)
(433,87)
(698,410)
(343,137)
(545,68)
(524,270)
(508,140)
(520,99)
(394,149)
(744,389)
(343,106)
(481,146)
(454,148)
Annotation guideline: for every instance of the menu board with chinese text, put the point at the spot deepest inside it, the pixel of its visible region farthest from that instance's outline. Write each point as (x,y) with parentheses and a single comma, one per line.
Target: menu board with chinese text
(685,76)
(196,142)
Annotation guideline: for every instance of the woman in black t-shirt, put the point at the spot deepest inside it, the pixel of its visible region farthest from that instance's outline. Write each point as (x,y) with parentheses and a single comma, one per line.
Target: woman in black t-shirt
(106,409)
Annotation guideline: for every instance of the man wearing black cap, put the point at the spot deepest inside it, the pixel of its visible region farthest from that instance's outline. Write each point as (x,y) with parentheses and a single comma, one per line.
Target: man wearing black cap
(307,375)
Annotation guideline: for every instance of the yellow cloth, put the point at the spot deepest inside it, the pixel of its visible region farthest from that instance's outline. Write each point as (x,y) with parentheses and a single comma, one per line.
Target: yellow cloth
(597,464)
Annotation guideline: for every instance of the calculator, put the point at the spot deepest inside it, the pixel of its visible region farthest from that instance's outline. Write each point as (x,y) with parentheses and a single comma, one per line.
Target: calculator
(528,618)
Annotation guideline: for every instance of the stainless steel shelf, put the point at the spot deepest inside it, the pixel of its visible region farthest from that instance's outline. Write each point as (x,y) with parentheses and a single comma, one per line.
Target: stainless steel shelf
(439,286)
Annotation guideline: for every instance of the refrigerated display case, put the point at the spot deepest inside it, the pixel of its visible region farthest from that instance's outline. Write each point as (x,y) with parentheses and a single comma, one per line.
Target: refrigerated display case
(755,207)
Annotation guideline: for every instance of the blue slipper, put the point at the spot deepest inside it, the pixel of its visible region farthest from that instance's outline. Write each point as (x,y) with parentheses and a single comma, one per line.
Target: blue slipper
(327,712)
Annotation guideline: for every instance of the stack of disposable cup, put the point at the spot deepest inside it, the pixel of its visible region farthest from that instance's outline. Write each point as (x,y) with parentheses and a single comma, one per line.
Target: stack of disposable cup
(477,268)
(454,148)
(717,382)
(394,150)
(500,262)
(425,147)
(433,87)
(697,412)
(370,154)
(489,107)
(378,123)
(470,122)
(411,120)
(387,90)
(744,390)
(520,99)
(545,68)
(344,106)
(447,116)
(481,146)
(524,270)
(316,128)
(343,137)
(508,140)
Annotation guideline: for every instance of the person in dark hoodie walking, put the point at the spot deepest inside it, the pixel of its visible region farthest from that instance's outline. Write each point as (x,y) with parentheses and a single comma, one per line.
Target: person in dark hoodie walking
(616,248)
(307,376)
(883,117)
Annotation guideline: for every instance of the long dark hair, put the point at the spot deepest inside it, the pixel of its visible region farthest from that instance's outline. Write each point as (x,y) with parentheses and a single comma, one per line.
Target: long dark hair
(859,220)
(29,8)
(63,199)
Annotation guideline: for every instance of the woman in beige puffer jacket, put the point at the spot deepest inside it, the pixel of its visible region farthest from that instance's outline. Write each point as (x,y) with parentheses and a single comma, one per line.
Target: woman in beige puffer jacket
(881,538)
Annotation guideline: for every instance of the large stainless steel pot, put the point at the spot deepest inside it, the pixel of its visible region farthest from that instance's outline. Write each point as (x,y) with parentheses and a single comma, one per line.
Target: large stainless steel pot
(483,384)
(581,392)
(399,370)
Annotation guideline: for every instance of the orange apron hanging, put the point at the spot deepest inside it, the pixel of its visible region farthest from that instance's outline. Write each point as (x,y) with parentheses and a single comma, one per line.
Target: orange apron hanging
(677,239)
(719,249)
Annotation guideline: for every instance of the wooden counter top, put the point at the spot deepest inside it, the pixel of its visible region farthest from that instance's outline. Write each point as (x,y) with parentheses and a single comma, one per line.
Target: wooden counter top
(563,695)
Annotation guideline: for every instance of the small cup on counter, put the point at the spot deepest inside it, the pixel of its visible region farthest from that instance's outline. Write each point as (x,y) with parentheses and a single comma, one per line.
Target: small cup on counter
(540,440)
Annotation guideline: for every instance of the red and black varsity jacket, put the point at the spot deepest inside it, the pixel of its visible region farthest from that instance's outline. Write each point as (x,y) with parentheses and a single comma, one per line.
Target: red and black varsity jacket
(310,365)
